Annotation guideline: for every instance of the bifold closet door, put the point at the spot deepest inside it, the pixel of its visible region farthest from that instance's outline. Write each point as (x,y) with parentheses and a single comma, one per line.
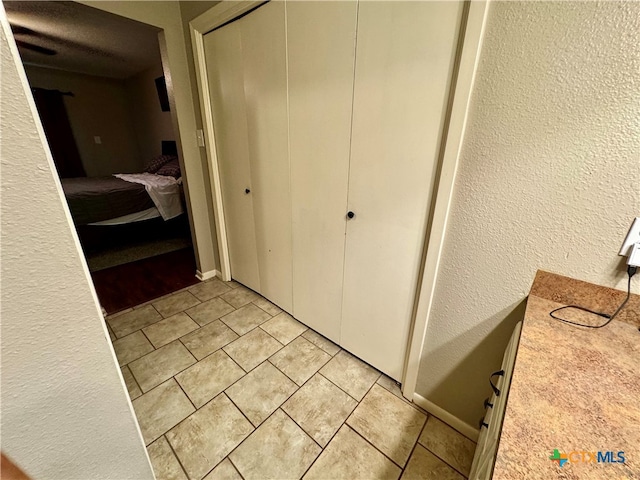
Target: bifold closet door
(226,81)
(264,56)
(246,61)
(404,59)
(321,50)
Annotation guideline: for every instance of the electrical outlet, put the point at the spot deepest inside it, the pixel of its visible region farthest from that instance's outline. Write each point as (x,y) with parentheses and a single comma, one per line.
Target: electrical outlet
(634,257)
(633,237)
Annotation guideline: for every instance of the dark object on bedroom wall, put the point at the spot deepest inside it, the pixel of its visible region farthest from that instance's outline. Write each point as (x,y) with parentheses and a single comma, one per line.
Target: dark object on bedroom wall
(169,147)
(57,129)
(161,86)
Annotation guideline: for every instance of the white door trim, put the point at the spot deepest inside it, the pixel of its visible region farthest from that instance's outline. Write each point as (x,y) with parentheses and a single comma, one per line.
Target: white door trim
(471,45)
(198,27)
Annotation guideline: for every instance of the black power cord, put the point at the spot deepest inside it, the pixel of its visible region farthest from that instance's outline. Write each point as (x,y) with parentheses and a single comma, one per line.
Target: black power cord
(631,271)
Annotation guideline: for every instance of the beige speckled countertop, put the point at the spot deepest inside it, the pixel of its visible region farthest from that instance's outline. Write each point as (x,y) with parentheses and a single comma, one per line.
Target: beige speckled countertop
(574,389)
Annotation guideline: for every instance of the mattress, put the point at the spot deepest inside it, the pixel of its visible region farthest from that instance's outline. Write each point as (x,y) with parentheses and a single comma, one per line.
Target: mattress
(95,199)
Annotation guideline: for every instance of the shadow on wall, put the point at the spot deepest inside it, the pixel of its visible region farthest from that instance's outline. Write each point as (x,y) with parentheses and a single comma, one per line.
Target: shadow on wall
(467,385)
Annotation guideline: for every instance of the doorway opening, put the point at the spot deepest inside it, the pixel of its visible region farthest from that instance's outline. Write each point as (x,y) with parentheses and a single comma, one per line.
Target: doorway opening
(98,81)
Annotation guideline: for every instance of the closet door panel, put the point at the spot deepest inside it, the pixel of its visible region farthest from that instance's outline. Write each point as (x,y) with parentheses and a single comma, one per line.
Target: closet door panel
(321,54)
(404,58)
(223,53)
(265,89)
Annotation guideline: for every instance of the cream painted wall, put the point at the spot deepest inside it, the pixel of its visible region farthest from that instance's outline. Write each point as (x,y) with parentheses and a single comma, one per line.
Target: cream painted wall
(167,15)
(188,11)
(152,125)
(65,410)
(549,178)
(99,108)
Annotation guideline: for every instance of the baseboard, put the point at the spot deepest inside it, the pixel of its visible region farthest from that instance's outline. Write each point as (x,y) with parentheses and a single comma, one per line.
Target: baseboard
(207,275)
(448,418)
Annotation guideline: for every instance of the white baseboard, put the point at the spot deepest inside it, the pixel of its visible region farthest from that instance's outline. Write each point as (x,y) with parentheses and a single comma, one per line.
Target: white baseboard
(202,276)
(448,418)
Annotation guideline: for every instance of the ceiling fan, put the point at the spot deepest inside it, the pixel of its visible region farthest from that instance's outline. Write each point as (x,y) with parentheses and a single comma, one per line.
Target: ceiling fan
(21,31)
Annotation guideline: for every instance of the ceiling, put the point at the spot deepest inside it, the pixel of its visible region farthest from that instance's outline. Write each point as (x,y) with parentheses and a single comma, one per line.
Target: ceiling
(87,40)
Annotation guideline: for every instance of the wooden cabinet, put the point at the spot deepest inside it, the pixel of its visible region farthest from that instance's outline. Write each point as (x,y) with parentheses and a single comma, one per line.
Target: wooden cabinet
(343,105)
(483,459)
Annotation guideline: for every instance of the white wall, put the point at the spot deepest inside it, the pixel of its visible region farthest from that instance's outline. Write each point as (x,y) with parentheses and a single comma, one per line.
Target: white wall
(151,124)
(167,16)
(99,107)
(549,178)
(65,410)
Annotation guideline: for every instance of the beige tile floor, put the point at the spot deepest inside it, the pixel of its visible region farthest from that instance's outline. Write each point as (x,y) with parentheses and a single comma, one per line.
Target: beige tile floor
(226,385)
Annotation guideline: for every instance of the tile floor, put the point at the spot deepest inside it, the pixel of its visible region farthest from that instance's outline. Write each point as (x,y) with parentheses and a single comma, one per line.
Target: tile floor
(227,386)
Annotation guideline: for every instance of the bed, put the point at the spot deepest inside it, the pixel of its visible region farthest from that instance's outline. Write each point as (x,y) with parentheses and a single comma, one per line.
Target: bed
(121,199)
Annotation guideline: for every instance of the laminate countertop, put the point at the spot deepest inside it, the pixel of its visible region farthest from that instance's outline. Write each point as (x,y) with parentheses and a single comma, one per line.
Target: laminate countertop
(573,389)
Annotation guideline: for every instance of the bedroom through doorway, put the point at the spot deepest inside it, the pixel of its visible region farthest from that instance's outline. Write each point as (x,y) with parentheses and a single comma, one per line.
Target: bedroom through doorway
(101,92)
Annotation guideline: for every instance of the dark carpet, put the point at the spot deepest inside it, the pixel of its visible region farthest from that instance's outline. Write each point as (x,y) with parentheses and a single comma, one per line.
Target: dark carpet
(131,284)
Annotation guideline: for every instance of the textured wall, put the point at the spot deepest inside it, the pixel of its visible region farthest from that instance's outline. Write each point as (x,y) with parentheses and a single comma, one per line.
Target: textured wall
(99,107)
(549,177)
(65,411)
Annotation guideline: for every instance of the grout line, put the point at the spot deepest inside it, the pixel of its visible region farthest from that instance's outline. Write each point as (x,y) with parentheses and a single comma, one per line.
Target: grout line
(370,443)
(233,465)
(415,407)
(187,395)
(178,372)
(224,392)
(379,451)
(309,329)
(416,443)
(180,339)
(285,374)
(150,342)
(272,316)
(300,427)
(175,454)
(440,458)
(136,382)
(276,409)
(343,422)
(239,366)
(338,386)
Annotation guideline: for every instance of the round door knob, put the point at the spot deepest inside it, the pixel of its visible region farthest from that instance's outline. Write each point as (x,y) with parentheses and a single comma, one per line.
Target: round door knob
(351,215)
(247,191)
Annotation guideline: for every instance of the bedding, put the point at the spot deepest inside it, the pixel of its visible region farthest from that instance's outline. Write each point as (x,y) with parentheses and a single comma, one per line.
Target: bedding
(95,199)
(158,162)
(170,169)
(163,190)
(133,197)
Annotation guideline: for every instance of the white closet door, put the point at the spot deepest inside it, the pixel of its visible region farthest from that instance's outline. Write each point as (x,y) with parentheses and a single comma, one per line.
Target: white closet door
(404,58)
(223,52)
(265,89)
(321,50)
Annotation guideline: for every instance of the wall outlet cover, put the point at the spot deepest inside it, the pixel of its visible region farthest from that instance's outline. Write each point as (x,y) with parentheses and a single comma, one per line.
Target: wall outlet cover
(632,238)
(634,257)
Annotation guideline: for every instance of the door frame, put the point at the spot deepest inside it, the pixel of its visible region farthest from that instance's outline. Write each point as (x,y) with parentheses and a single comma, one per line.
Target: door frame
(467,57)
(198,28)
